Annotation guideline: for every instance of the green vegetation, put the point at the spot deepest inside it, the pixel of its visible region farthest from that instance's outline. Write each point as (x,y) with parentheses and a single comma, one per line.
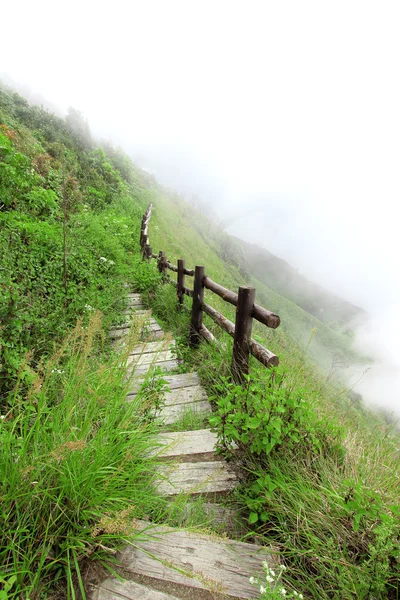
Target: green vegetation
(320,473)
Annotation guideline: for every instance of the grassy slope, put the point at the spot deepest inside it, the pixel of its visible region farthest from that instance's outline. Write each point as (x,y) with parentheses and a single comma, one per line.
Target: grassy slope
(325,495)
(331,505)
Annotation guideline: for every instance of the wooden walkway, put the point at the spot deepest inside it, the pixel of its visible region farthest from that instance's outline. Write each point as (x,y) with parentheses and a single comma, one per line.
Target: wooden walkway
(171,564)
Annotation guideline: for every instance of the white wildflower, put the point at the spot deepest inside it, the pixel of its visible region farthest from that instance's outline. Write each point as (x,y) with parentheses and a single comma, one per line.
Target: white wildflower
(252,580)
(103,259)
(2,416)
(282,567)
(272,572)
(262,589)
(301,596)
(269,579)
(111,262)
(88,307)
(283,591)
(265,565)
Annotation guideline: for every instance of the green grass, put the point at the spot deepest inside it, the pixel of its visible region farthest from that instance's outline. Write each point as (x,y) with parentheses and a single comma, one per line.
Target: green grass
(75,468)
(327,495)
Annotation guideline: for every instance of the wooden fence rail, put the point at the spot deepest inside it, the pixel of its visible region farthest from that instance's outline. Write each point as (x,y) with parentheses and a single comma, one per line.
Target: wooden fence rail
(244,300)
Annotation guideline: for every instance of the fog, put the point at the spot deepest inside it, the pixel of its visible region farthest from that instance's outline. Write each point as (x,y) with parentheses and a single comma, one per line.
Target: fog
(283,116)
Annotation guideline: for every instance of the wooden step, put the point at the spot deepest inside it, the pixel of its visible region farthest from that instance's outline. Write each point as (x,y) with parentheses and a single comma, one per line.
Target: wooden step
(115,589)
(182,380)
(164,365)
(134,296)
(174,382)
(190,444)
(204,477)
(171,414)
(196,560)
(134,301)
(149,347)
(150,357)
(185,395)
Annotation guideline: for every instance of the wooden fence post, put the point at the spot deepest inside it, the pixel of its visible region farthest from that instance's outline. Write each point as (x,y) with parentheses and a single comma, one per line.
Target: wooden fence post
(197,312)
(162,263)
(145,243)
(147,252)
(242,338)
(142,235)
(180,281)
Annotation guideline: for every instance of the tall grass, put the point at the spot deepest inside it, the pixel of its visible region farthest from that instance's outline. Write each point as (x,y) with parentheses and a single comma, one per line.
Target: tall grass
(75,468)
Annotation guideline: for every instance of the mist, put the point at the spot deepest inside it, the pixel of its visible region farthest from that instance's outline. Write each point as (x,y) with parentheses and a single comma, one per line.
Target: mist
(284,117)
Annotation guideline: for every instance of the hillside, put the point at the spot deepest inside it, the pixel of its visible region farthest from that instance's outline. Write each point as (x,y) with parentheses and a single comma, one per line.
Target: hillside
(319,472)
(287,281)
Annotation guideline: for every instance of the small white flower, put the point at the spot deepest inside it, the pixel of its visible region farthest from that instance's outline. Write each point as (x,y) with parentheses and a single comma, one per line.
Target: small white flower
(272,572)
(2,417)
(103,259)
(295,593)
(282,567)
(252,580)
(269,579)
(265,564)
(111,262)
(88,307)
(301,596)
(262,589)
(283,591)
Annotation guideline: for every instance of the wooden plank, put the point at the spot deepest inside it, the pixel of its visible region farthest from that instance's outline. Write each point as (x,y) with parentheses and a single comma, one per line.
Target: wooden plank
(133,302)
(174,382)
(167,365)
(195,478)
(182,380)
(115,589)
(186,443)
(152,334)
(172,414)
(134,296)
(138,311)
(149,347)
(185,395)
(150,357)
(197,560)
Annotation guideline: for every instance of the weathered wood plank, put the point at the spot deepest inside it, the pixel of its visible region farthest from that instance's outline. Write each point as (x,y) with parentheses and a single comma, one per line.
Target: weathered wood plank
(149,347)
(208,562)
(195,478)
(186,395)
(166,365)
(172,414)
(134,296)
(178,381)
(182,380)
(150,357)
(186,443)
(115,589)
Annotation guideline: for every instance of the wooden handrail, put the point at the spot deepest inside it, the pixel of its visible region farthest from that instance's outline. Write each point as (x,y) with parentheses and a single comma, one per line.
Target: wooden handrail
(259,313)
(246,309)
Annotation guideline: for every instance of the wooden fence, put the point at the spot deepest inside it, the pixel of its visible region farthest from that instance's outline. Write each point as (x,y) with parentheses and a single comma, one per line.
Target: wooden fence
(244,300)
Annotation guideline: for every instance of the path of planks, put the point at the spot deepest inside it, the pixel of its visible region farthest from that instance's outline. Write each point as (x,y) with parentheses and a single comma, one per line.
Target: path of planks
(171,564)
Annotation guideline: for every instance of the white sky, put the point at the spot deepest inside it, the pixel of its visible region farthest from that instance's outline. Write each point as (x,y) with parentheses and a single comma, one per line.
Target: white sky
(283,114)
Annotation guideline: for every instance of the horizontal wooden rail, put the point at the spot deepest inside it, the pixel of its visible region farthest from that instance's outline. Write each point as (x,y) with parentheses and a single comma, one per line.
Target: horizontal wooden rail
(219,319)
(246,309)
(264,316)
(172,267)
